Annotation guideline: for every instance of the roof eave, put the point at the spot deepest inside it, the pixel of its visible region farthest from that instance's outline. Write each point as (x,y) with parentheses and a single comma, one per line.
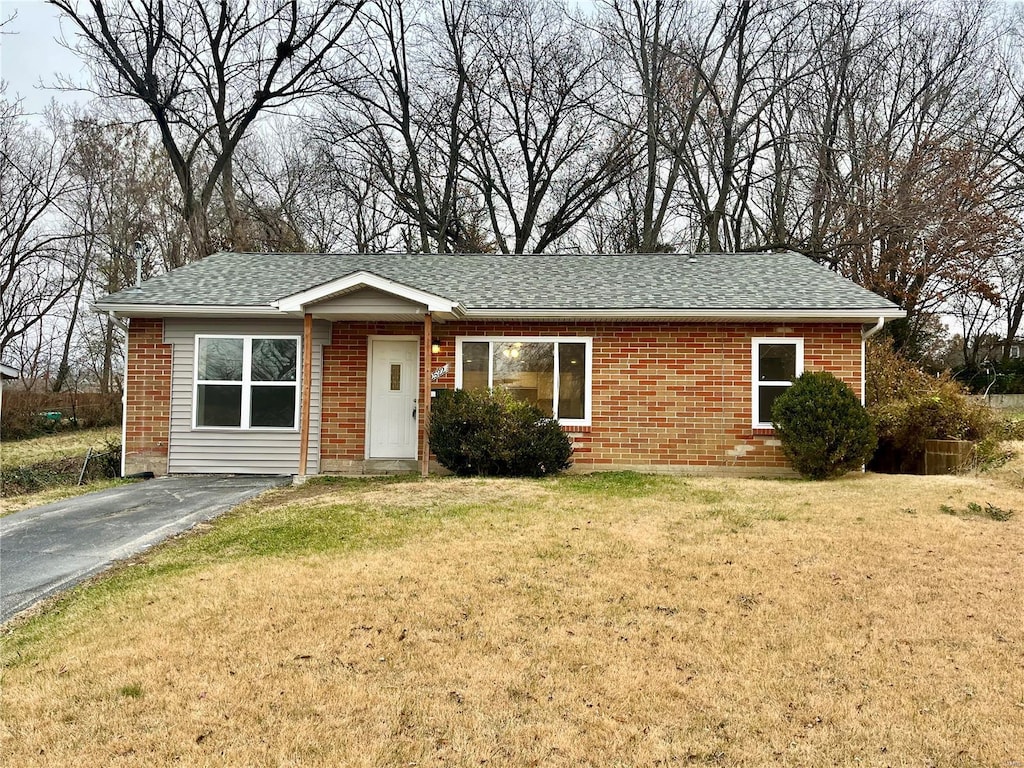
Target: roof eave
(120,309)
(801,315)
(457,312)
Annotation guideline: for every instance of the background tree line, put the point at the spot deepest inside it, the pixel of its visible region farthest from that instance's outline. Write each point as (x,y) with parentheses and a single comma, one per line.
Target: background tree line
(883,139)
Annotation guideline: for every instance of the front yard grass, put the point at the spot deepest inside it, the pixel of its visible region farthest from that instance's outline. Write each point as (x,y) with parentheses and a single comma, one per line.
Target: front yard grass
(58,445)
(51,464)
(600,620)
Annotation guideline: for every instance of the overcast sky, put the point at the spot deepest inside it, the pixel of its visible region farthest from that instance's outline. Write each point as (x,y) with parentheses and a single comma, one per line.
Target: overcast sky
(30,53)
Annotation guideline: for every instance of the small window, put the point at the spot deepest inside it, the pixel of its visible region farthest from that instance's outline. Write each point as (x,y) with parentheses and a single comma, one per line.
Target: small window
(776,364)
(551,373)
(246,382)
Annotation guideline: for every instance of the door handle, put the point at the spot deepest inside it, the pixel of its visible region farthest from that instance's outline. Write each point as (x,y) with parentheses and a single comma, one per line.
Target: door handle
(414,411)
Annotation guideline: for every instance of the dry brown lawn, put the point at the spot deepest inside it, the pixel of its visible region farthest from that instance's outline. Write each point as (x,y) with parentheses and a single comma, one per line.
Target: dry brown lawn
(53,454)
(587,621)
(56,446)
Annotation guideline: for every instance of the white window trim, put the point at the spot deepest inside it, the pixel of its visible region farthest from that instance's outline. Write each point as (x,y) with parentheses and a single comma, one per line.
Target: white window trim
(246,382)
(755,345)
(587,341)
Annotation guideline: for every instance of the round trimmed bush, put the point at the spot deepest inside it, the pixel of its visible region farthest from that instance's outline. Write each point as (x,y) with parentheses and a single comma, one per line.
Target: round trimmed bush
(480,432)
(824,430)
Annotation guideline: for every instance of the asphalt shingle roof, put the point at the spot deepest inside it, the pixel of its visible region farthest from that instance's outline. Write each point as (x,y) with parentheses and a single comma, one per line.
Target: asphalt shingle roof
(746,281)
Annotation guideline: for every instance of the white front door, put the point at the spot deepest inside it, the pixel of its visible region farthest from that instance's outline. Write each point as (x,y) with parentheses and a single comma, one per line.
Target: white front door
(392,399)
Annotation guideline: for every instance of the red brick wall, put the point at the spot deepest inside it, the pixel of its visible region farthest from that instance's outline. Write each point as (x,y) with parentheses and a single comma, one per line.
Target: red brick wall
(148,393)
(343,391)
(664,394)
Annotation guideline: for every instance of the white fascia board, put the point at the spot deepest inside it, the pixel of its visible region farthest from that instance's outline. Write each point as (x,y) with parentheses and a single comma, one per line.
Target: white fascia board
(184,310)
(795,315)
(297,302)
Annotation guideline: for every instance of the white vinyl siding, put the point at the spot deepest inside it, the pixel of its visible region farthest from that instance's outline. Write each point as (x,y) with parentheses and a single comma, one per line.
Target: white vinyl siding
(232,450)
(368,302)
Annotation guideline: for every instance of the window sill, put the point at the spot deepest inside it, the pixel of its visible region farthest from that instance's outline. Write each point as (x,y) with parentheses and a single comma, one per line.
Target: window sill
(763,431)
(247,430)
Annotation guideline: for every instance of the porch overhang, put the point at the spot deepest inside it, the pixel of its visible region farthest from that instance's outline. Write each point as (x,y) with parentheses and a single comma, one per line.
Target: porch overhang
(366,296)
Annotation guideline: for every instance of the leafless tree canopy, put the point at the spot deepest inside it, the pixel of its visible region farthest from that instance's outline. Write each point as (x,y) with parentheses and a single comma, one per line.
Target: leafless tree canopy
(882,139)
(203,72)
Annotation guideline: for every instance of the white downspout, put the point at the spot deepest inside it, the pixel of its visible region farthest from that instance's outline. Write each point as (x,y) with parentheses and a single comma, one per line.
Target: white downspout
(117,321)
(124,389)
(864,336)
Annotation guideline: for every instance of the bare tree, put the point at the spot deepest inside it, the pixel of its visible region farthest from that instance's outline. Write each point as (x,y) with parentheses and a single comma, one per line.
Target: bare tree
(117,214)
(204,71)
(1008,278)
(538,151)
(273,169)
(399,127)
(35,271)
(1005,141)
(638,38)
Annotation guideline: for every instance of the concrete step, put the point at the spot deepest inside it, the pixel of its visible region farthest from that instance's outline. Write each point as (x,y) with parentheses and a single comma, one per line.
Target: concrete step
(390,466)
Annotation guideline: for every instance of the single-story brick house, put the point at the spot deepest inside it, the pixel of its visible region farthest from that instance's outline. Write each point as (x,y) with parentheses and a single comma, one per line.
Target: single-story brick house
(311,363)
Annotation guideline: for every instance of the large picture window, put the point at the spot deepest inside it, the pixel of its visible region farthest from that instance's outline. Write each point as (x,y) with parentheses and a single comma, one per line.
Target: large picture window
(246,382)
(776,364)
(551,373)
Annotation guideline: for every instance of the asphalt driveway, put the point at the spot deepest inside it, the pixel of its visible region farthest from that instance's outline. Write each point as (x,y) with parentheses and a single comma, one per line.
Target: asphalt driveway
(46,549)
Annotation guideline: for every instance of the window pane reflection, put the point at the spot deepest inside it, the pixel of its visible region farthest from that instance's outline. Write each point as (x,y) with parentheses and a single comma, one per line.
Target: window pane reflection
(527,370)
(777,362)
(474,364)
(274,359)
(219,405)
(766,399)
(572,385)
(220,359)
(272,407)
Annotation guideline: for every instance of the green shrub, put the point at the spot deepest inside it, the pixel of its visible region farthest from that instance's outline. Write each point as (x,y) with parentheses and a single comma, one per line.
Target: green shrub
(994,378)
(492,433)
(910,406)
(824,430)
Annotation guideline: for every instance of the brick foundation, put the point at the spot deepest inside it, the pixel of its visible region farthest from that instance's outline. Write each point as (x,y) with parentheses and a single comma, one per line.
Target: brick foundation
(148,393)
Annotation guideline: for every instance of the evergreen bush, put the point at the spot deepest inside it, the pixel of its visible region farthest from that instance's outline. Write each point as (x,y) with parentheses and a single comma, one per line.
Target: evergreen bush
(824,430)
(483,432)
